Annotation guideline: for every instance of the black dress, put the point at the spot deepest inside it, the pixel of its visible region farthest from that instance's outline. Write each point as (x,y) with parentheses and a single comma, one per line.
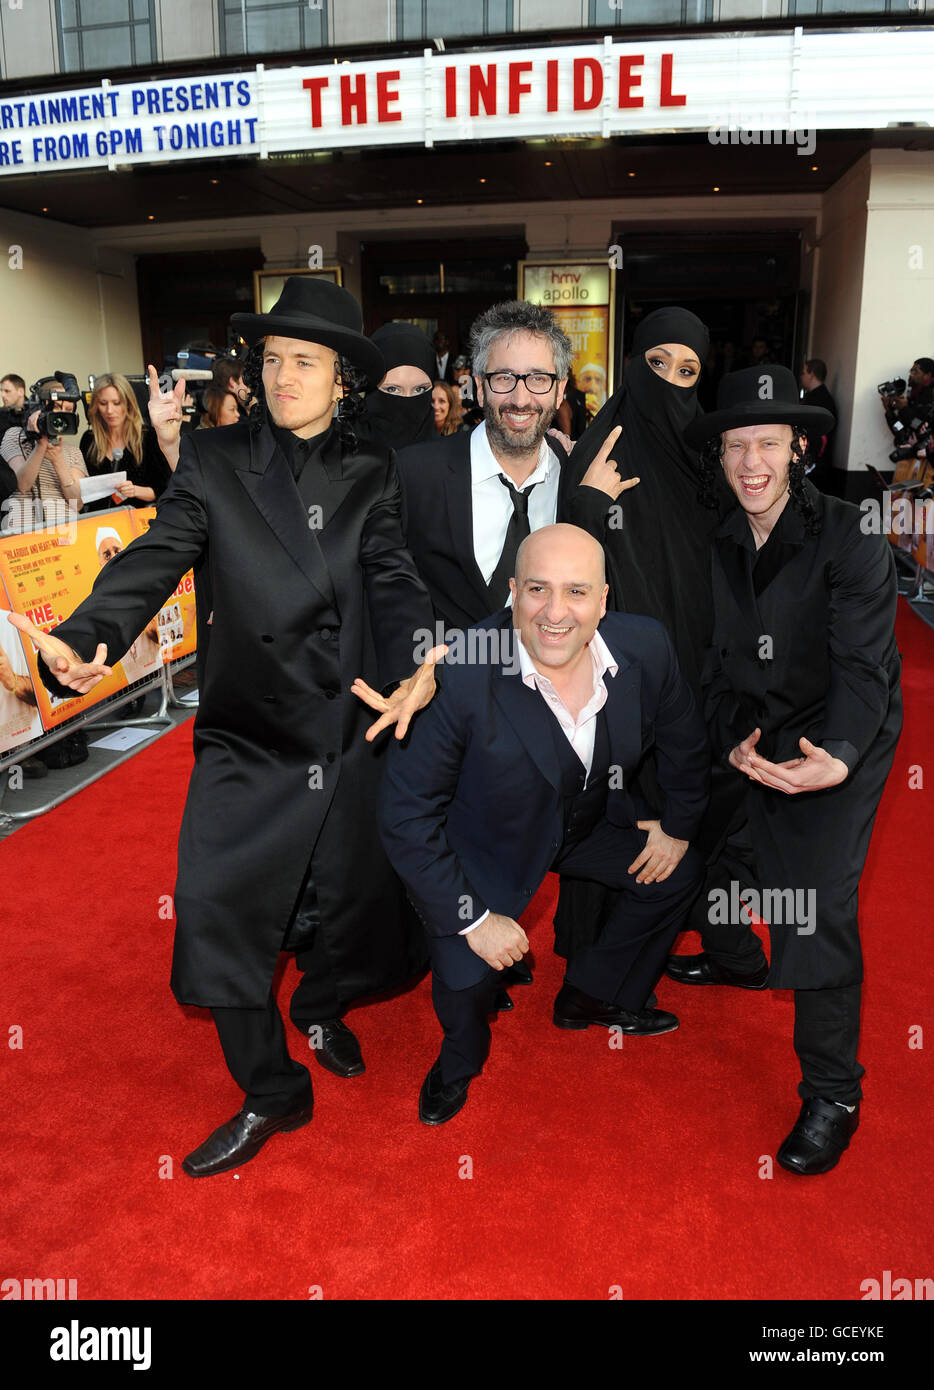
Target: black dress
(152,470)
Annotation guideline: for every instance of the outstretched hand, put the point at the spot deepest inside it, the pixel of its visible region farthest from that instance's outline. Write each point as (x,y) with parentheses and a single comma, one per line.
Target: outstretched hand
(165,407)
(65,664)
(813,772)
(407,699)
(603,473)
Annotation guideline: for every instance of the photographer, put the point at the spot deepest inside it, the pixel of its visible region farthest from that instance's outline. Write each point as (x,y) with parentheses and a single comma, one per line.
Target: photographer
(902,409)
(48,470)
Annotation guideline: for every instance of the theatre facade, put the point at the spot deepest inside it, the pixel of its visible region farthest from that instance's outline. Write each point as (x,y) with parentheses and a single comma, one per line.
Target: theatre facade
(777,178)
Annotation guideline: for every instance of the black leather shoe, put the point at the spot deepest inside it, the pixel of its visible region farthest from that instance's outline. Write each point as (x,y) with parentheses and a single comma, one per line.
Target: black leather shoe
(502,1002)
(822,1131)
(575,1009)
(701,970)
(239,1140)
(336,1048)
(437,1102)
(517,974)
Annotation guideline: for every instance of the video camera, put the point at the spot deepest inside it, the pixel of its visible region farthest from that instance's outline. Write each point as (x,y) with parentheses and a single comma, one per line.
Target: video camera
(918,430)
(896,387)
(53,422)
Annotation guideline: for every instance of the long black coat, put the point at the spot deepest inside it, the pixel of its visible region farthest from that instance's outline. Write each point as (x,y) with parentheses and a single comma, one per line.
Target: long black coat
(811,655)
(283,777)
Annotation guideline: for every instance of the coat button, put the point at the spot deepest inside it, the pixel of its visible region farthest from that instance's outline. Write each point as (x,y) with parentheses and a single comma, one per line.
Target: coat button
(270,700)
(329,757)
(724,651)
(266,638)
(325,633)
(330,694)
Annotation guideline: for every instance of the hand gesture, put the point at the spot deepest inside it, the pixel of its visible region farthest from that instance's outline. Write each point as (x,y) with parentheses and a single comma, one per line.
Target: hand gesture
(165,408)
(602,472)
(408,697)
(813,772)
(64,663)
(498,940)
(660,857)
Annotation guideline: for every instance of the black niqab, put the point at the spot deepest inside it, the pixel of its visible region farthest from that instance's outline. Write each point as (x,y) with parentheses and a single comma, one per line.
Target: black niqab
(397,421)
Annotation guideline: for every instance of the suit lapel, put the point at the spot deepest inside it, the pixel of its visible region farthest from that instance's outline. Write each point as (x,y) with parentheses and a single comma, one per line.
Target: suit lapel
(270,484)
(624,713)
(459,503)
(531,721)
(738,578)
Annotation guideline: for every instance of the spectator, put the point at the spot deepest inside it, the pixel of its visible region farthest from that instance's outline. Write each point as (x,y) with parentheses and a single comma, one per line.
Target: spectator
(571,415)
(48,472)
(228,376)
(13,395)
(444,362)
(901,410)
(219,407)
(812,382)
(759,354)
(119,441)
(449,412)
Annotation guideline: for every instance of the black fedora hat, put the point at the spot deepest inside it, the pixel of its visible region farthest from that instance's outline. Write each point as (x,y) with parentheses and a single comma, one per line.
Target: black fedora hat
(765,395)
(316,311)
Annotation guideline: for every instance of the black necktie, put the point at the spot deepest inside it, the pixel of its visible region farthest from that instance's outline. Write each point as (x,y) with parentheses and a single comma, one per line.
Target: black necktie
(516,532)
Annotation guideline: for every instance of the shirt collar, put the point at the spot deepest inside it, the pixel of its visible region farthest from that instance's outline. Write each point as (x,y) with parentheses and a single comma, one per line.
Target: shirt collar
(603,661)
(484,464)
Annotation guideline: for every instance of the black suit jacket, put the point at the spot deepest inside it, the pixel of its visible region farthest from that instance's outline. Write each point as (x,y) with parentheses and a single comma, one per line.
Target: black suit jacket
(283,775)
(471,808)
(437,518)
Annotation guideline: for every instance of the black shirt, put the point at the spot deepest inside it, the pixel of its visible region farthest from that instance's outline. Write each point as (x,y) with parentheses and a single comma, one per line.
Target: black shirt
(297,450)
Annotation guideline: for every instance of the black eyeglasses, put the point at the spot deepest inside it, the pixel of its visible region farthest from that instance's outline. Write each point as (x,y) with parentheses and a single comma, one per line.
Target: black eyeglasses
(539,383)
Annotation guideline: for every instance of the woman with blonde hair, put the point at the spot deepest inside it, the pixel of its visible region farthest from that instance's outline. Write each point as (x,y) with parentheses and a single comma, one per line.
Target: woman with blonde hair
(448,409)
(119,440)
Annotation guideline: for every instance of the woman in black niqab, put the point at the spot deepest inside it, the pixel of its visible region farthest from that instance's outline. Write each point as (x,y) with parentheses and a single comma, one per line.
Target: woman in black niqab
(658,561)
(390,415)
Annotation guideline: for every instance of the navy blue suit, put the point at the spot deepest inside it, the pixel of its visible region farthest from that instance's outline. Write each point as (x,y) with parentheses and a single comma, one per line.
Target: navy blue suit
(472,811)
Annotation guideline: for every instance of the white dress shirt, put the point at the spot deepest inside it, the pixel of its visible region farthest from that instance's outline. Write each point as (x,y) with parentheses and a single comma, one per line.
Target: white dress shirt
(492,503)
(580,732)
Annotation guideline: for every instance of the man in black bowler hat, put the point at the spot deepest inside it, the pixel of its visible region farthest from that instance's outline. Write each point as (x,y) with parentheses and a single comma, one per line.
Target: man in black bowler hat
(298,533)
(803,702)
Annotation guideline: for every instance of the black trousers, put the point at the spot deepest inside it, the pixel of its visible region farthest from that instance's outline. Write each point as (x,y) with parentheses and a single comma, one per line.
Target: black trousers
(826,1030)
(620,968)
(254,1044)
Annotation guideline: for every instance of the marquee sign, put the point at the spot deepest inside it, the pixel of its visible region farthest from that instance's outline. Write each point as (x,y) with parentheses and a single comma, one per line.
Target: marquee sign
(794,82)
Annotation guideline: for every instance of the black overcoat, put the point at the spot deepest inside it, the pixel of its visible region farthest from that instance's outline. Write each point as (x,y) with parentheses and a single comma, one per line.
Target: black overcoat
(283,779)
(812,655)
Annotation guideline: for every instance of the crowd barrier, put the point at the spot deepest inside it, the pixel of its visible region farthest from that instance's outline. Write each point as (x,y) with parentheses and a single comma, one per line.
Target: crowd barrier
(909,523)
(44,574)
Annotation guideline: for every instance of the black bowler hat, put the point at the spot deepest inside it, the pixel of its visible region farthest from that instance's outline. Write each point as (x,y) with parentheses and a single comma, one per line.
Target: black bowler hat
(763,395)
(316,311)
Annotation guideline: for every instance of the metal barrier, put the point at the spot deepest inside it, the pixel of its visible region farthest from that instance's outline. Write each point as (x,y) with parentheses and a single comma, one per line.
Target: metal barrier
(160,680)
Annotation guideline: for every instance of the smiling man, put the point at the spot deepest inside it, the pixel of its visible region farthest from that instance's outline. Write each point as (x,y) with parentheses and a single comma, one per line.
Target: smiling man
(523,765)
(298,532)
(804,705)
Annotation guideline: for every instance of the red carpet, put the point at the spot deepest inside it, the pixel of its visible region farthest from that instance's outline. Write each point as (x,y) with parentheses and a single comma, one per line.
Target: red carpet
(592,1168)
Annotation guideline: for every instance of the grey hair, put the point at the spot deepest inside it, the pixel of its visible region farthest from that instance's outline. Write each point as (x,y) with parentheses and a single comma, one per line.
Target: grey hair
(518,316)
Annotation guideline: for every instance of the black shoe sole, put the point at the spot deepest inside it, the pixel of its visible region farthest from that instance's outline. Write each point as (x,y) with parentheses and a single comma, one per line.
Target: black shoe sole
(335,1070)
(444,1120)
(579,1024)
(244,1157)
(724,984)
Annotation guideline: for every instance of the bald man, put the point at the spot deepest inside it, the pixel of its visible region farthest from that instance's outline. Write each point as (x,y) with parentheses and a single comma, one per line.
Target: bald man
(522,765)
